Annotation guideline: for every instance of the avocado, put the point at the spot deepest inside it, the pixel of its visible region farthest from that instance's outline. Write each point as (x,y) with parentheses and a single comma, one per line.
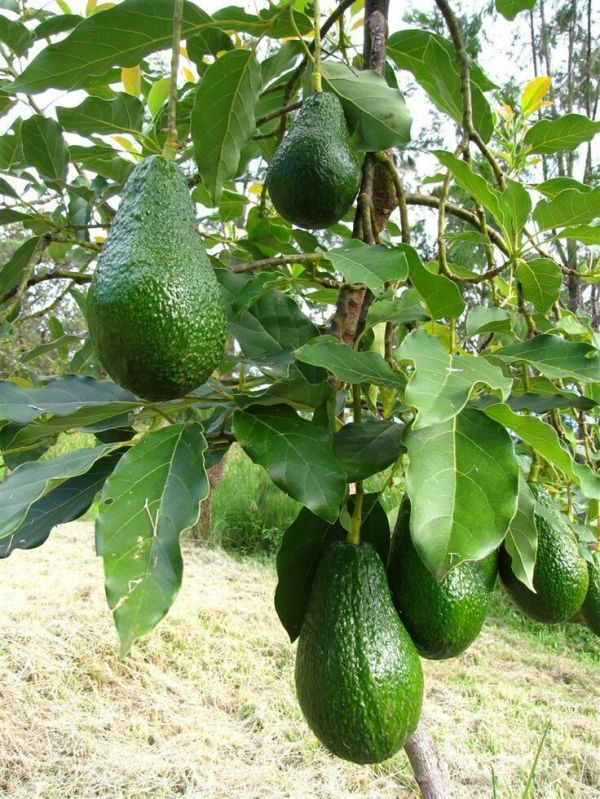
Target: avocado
(590,610)
(315,172)
(560,576)
(443,618)
(358,676)
(154,309)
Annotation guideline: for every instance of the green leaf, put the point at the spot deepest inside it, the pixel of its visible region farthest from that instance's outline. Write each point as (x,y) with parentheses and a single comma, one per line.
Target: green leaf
(33,480)
(554,186)
(347,364)
(586,234)
(463,484)
(518,202)
(565,133)
(16,36)
(541,280)
(103,160)
(120,36)
(210,41)
(488,320)
(440,294)
(223,118)
(303,391)
(15,269)
(368,448)
(11,151)
(406,308)
(51,346)
(441,383)
(297,454)
(522,538)
(152,496)
(44,148)
(57,24)
(301,548)
(371,265)
(66,502)
(61,397)
(376,113)
(432,61)
(555,358)
(270,330)
(124,114)
(473,183)
(274,22)
(544,439)
(570,207)
(510,8)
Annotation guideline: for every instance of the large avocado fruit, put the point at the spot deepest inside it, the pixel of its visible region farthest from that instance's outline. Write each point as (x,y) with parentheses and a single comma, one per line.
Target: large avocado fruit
(442,618)
(154,310)
(590,610)
(560,576)
(315,172)
(358,675)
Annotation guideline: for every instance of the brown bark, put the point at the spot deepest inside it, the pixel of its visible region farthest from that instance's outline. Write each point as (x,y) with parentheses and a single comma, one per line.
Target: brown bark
(201,531)
(428,768)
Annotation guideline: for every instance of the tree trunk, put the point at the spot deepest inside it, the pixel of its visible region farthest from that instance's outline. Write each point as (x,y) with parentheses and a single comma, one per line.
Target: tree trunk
(429,770)
(201,530)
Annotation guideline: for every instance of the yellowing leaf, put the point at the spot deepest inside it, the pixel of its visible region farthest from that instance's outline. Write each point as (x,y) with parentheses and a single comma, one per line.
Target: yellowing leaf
(505,111)
(124,143)
(100,239)
(131,77)
(183,51)
(101,7)
(189,75)
(90,7)
(358,23)
(534,93)
(64,7)
(255,188)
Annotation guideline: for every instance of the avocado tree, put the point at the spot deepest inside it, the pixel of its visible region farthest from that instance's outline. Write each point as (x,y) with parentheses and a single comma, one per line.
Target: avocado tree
(466,378)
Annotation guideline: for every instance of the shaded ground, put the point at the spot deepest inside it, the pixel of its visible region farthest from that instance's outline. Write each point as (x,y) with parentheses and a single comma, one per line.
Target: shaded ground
(205,707)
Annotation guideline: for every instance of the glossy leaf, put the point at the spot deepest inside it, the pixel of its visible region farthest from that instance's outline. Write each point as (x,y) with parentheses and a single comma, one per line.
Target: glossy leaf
(565,133)
(152,496)
(301,548)
(368,448)
(432,61)
(488,320)
(462,481)
(348,364)
(121,36)
(16,36)
(44,148)
(124,114)
(510,8)
(544,439)
(541,280)
(406,308)
(522,538)
(440,294)
(223,119)
(555,357)
(586,234)
(33,480)
(441,383)
(270,330)
(297,454)
(15,269)
(66,502)
(570,207)
(61,397)
(372,265)
(376,113)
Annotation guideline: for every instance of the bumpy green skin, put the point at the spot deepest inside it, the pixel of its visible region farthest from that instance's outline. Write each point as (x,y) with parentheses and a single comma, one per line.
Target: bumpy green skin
(560,577)
(444,618)
(358,676)
(155,311)
(590,610)
(315,172)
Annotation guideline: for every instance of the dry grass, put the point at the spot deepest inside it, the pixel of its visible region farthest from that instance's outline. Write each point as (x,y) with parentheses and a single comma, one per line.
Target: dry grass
(205,707)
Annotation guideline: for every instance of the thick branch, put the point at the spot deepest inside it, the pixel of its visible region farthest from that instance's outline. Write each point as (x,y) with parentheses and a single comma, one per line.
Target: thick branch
(427,766)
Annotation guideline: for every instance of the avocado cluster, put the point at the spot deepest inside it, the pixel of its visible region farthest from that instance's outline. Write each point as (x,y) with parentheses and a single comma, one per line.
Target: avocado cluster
(315,172)
(155,312)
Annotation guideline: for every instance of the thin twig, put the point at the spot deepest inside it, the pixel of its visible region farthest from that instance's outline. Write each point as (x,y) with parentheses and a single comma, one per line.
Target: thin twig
(171,143)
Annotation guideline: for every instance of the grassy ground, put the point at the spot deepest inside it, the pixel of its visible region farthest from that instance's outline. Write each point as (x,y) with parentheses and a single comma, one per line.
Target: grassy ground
(205,707)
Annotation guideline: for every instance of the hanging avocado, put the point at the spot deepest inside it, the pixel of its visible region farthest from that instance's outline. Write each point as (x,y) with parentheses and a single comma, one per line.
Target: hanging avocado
(155,311)
(315,172)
